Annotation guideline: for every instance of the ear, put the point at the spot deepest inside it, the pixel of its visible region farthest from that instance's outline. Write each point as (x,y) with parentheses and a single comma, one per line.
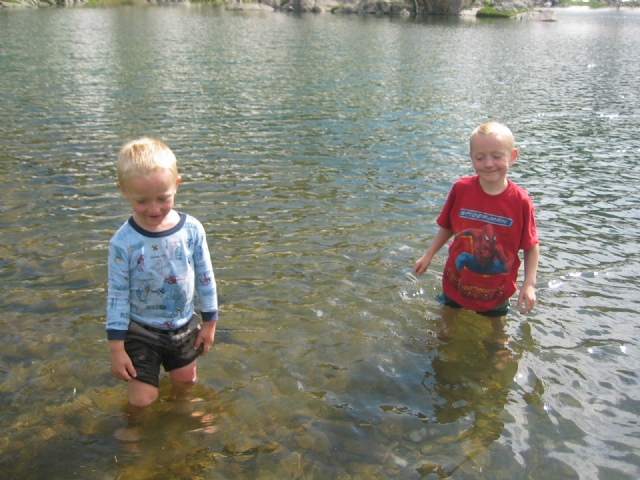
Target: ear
(514,155)
(124,194)
(178,181)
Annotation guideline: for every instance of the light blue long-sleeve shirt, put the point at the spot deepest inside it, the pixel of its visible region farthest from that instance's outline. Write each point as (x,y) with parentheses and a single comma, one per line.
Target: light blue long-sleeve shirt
(153,277)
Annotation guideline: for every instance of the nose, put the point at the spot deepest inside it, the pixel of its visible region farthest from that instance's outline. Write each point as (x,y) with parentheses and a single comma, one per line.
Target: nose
(488,162)
(154,207)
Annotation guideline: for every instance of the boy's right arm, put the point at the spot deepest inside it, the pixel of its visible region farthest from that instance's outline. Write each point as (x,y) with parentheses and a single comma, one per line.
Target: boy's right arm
(121,366)
(118,311)
(527,296)
(441,238)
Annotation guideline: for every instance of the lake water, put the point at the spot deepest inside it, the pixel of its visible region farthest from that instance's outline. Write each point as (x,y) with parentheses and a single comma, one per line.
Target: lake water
(317,150)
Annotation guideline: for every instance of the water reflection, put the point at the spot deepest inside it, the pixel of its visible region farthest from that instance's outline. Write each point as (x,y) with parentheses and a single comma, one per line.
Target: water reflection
(169,436)
(469,381)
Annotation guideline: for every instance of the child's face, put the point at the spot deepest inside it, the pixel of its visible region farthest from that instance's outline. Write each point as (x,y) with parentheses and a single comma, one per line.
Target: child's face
(491,160)
(152,197)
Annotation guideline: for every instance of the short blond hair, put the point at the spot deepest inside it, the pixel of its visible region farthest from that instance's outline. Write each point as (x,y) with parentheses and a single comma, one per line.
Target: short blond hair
(496,129)
(144,156)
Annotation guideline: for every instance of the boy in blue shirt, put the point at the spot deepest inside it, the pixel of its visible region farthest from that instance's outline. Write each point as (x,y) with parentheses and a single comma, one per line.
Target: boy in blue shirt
(157,261)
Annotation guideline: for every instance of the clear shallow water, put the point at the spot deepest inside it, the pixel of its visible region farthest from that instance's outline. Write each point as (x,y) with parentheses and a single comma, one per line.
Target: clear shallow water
(317,151)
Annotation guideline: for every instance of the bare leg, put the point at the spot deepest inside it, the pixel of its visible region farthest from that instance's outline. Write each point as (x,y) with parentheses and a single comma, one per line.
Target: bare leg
(499,337)
(141,395)
(182,379)
(498,343)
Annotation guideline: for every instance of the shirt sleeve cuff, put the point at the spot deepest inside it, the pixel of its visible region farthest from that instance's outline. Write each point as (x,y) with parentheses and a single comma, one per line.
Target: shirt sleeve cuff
(116,334)
(209,316)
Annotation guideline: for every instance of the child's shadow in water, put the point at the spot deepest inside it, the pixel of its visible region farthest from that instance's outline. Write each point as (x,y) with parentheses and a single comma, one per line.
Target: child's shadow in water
(140,429)
(471,376)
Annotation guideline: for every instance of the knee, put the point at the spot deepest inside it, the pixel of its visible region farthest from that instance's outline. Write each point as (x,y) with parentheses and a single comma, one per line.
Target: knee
(142,401)
(184,377)
(184,382)
(142,395)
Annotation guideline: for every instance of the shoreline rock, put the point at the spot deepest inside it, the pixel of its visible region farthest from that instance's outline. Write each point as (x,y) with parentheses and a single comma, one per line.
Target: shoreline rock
(467,9)
(237,5)
(541,16)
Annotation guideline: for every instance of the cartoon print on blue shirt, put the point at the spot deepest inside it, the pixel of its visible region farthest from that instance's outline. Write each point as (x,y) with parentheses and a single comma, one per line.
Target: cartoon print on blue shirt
(178,253)
(204,279)
(140,263)
(143,292)
(119,255)
(175,301)
(136,246)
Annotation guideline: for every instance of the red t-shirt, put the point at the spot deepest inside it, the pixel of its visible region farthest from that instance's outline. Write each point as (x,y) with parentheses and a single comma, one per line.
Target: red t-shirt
(489,230)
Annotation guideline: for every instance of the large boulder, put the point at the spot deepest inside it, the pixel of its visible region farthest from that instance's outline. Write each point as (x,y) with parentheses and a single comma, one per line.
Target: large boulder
(443,7)
(248,7)
(379,7)
(317,6)
(512,5)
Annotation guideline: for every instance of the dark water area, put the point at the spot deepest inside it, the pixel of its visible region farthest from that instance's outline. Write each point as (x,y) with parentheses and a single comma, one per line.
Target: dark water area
(317,151)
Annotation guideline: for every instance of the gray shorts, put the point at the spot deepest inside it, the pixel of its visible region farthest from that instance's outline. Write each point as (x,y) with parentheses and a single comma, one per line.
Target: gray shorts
(149,348)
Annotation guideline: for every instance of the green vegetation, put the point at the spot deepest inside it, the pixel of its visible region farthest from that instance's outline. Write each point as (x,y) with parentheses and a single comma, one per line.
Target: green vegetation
(490,12)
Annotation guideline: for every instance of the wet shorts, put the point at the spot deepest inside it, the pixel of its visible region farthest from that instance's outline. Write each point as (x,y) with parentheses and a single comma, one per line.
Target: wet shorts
(499,310)
(149,348)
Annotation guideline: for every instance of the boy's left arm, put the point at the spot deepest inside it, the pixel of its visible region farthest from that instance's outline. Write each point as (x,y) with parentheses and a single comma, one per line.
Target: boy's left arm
(527,297)
(206,336)
(207,293)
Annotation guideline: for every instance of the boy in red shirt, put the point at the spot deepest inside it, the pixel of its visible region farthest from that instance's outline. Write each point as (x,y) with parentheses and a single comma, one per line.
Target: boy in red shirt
(490,219)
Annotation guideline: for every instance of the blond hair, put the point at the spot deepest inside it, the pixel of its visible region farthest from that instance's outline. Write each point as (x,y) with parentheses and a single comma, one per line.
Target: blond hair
(496,129)
(144,156)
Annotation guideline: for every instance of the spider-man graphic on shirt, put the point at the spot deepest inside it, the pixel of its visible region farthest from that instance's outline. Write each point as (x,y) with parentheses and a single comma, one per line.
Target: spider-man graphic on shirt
(488,256)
